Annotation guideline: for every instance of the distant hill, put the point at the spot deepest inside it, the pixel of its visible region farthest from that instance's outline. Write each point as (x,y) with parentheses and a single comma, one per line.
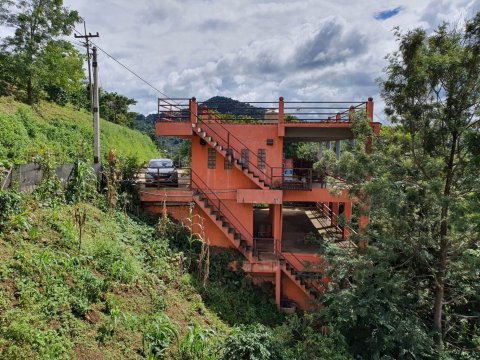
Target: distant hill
(222,104)
(225,105)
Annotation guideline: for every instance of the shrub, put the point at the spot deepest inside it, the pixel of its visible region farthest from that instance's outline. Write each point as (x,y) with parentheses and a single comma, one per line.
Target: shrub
(157,337)
(253,342)
(197,344)
(10,204)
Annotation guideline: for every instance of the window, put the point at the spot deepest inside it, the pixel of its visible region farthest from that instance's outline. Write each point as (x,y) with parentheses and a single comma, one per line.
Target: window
(262,156)
(244,156)
(227,165)
(212,158)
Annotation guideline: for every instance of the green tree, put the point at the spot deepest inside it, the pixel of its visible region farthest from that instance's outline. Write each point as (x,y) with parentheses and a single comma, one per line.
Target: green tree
(37,24)
(422,186)
(115,108)
(432,88)
(308,151)
(60,72)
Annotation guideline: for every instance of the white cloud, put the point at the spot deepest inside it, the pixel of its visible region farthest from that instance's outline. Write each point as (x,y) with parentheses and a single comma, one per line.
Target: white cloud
(254,49)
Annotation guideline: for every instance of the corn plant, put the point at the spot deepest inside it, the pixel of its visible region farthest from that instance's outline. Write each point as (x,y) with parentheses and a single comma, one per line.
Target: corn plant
(196,344)
(158,336)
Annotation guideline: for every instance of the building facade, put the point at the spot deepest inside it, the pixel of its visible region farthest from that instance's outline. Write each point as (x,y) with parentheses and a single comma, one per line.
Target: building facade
(250,196)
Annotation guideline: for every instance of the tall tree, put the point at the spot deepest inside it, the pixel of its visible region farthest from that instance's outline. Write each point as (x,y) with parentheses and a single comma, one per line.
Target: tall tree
(115,108)
(37,23)
(432,88)
(422,185)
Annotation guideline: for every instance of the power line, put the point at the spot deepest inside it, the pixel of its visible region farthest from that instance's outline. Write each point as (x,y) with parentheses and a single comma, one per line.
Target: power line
(131,71)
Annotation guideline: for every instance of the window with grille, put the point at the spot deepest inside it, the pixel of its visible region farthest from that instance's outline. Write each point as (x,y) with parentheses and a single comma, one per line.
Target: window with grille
(227,165)
(244,156)
(262,156)
(212,158)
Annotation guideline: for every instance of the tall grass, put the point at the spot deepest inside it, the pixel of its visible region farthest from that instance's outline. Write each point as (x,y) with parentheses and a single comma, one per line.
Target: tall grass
(64,133)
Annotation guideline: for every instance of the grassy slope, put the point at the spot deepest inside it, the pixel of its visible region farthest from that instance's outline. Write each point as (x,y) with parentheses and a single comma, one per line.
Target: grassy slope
(59,302)
(63,132)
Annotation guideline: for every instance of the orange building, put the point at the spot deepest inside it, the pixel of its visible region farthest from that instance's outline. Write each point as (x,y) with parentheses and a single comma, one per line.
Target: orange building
(274,210)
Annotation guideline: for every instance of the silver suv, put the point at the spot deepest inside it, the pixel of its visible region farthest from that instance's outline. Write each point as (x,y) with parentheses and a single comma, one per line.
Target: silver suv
(161,171)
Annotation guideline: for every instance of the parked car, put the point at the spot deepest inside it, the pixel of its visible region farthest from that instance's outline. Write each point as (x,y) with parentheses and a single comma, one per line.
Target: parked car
(161,172)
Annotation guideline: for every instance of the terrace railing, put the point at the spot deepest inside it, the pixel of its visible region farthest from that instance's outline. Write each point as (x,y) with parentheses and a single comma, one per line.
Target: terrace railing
(171,110)
(266,112)
(320,111)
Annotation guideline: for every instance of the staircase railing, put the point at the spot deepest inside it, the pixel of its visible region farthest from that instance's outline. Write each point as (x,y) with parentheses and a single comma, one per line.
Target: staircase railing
(329,214)
(199,185)
(230,142)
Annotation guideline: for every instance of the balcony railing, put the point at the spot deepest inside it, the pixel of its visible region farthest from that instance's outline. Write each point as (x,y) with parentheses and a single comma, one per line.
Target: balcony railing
(261,112)
(319,111)
(174,110)
(296,179)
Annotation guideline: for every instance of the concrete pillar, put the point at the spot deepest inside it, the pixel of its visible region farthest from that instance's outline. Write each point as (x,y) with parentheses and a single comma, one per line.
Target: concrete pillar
(277,219)
(337,148)
(278,286)
(327,145)
(320,150)
(335,213)
(193,108)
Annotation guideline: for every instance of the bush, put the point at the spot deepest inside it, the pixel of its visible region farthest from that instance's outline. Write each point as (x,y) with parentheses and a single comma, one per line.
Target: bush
(253,342)
(157,337)
(197,344)
(10,204)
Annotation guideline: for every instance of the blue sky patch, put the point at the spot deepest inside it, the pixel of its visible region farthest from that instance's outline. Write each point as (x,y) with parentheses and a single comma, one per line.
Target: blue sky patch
(386,14)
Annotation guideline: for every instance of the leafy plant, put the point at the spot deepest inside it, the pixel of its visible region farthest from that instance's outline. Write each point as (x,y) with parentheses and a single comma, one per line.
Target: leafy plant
(197,344)
(157,337)
(255,342)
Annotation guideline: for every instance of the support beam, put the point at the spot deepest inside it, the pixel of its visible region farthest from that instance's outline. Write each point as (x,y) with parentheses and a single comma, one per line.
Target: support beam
(335,213)
(337,148)
(278,286)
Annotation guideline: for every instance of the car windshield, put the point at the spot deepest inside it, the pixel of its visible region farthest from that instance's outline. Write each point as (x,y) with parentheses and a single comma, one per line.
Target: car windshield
(161,164)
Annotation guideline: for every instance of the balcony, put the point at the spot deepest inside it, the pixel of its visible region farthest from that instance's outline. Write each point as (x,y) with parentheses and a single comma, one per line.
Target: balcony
(286,114)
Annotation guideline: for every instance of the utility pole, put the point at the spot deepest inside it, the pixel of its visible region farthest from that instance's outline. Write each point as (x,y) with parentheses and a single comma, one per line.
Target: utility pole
(96,111)
(91,91)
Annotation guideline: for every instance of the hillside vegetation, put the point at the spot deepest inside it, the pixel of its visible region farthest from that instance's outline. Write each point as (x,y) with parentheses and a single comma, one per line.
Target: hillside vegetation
(80,280)
(64,133)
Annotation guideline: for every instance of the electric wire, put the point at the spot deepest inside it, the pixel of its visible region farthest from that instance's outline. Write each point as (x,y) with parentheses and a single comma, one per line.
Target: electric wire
(129,70)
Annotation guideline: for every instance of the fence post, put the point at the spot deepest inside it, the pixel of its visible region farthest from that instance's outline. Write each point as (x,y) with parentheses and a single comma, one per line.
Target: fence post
(281,110)
(193,110)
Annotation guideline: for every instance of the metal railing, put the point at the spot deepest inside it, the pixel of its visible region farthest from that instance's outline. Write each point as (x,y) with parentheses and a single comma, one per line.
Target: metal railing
(251,112)
(218,205)
(298,179)
(173,110)
(237,148)
(262,112)
(320,111)
(333,217)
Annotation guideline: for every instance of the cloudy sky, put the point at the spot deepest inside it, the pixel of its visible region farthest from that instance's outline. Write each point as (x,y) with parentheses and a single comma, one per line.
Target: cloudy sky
(255,50)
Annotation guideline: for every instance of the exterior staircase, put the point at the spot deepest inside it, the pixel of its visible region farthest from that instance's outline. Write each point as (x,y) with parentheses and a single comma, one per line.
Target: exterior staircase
(201,130)
(236,238)
(295,276)
(242,244)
